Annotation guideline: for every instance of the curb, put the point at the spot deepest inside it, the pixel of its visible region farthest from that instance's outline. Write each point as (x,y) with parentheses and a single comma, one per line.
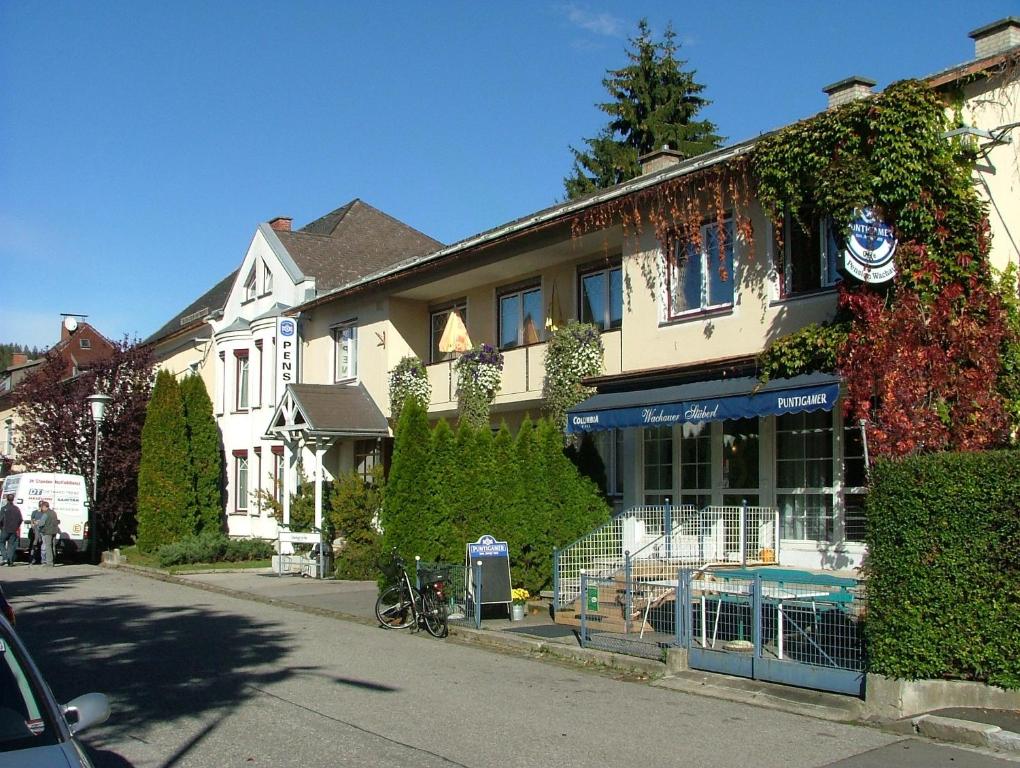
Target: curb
(967,732)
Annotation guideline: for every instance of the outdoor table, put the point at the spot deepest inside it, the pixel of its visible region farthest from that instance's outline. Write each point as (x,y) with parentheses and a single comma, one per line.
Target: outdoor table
(705,590)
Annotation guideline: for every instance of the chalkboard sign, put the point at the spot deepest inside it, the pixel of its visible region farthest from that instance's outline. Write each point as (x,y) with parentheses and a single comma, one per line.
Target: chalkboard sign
(495,559)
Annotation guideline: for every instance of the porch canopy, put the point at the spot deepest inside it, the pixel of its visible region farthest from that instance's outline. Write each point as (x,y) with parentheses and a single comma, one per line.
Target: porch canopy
(701,401)
(315,416)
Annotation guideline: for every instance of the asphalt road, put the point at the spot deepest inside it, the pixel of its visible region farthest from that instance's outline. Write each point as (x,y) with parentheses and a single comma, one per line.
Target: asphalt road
(203,679)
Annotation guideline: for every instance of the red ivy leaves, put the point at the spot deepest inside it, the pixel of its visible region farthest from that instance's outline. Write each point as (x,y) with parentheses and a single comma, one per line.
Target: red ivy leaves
(924,373)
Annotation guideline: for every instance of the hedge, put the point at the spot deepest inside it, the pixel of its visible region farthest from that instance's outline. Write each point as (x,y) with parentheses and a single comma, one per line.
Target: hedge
(943,570)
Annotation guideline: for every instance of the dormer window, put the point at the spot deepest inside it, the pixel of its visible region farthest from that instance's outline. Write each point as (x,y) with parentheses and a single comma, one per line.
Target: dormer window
(249,285)
(267,279)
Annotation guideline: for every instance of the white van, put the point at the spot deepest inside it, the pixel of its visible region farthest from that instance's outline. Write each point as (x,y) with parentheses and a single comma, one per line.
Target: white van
(67,497)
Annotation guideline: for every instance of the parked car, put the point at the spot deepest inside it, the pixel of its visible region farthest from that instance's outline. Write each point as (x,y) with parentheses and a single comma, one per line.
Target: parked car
(35,731)
(6,609)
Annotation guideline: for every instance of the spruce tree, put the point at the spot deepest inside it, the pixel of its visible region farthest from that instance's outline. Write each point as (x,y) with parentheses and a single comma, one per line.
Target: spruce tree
(164,488)
(439,530)
(205,456)
(478,493)
(655,102)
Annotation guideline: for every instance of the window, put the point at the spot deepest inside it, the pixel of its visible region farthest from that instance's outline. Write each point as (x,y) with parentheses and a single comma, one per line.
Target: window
(701,277)
(267,279)
(609,444)
(695,465)
(249,285)
(241,481)
(367,456)
(85,343)
(740,461)
(809,257)
(855,481)
(804,476)
(345,352)
(222,384)
(520,317)
(658,460)
(438,319)
(601,293)
(278,473)
(241,369)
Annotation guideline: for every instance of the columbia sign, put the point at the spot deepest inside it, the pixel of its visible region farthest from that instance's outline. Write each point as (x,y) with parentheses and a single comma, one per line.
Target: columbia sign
(870,246)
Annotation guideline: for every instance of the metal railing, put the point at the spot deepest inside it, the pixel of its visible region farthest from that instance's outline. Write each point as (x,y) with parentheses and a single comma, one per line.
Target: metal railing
(653,541)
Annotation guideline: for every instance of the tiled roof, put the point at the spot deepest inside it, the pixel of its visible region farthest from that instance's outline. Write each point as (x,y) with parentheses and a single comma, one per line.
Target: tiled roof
(339,409)
(353,241)
(193,314)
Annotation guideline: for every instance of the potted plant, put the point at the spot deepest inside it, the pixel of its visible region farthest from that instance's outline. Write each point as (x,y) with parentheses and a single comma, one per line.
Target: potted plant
(520,603)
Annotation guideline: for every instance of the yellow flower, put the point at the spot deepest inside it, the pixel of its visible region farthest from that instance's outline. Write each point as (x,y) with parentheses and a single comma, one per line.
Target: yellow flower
(519,595)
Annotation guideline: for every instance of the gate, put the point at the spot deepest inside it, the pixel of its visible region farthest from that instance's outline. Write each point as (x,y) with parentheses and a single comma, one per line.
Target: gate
(788,627)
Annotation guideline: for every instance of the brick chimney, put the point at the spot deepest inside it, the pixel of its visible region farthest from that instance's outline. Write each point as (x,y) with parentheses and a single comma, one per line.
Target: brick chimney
(658,159)
(850,89)
(18,358)
(281,223)
(997,37)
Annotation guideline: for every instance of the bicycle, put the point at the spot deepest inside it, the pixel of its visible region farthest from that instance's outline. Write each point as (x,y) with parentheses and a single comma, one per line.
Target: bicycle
(403,605)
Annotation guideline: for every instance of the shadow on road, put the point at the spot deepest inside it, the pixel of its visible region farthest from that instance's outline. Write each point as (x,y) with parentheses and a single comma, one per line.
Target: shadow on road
(156,664)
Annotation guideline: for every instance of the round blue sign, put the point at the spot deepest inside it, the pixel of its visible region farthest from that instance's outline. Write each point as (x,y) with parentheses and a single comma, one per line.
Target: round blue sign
(870,247)
(286,327)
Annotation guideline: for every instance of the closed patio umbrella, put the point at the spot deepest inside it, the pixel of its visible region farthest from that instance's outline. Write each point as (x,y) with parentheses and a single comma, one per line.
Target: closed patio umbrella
(455,336)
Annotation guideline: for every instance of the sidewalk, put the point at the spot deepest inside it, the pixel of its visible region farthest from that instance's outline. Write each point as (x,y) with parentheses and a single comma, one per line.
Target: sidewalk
(537,634)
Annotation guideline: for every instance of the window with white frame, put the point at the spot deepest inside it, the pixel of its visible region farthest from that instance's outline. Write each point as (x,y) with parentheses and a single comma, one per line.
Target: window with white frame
(808,258)
(241,481)
(701,274)
(267,279)
(249,285)
(438,320)
(805,492)
(695,465)
(367,456)
(278,473)
(85,343)
(740,470)
(658,464)
(520,317)
(855,481)
(601,295)
(221,401)
(258,372)
(345,351)
(242,384)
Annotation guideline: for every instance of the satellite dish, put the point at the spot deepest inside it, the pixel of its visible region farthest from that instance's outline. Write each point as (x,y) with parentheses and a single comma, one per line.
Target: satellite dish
(70,324)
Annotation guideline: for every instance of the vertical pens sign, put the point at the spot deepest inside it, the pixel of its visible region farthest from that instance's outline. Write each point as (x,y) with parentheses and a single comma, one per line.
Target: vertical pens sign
(286,354)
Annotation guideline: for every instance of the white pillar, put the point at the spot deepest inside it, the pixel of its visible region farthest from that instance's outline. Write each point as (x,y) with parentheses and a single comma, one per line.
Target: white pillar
(320,448)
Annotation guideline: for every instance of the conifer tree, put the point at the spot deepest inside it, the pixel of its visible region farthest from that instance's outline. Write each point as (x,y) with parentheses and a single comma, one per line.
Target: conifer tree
(165,510)
(440,528)
(205,456)
(405,505)
(655,103)
(480,503)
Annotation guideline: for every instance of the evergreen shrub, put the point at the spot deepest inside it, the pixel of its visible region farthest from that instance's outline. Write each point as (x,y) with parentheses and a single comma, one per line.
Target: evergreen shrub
(213,548)
(943,570)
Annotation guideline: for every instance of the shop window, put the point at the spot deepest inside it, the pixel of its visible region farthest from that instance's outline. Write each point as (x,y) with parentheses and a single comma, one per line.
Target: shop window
(809,256)
(855,483)
(804,476)
(345,352)
(520,317)
(438,319)
(609,444)
(700,275)
(601,293)
(658,465)
(695,465)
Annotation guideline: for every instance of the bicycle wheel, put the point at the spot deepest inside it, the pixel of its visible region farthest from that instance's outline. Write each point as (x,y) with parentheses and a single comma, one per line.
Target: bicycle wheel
(433,615)
(394,608)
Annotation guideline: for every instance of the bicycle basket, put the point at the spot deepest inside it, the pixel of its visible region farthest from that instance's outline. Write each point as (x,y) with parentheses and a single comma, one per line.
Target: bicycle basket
(433,576)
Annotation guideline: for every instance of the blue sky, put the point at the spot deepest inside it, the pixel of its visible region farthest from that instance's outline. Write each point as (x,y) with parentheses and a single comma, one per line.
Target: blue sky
(141,143)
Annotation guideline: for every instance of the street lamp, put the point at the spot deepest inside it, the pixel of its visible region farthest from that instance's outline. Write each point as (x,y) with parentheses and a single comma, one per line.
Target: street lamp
(98,403)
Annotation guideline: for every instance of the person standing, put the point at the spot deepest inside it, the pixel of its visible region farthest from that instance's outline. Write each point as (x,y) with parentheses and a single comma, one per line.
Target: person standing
(50,527)
(35,535)
(10,529)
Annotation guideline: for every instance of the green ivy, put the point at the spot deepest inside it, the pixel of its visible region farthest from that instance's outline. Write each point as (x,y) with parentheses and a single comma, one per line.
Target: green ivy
(813,348)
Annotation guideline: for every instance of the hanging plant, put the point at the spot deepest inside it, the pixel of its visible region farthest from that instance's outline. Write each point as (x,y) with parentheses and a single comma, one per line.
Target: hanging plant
(574,352)
(479,375)
(408,379)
